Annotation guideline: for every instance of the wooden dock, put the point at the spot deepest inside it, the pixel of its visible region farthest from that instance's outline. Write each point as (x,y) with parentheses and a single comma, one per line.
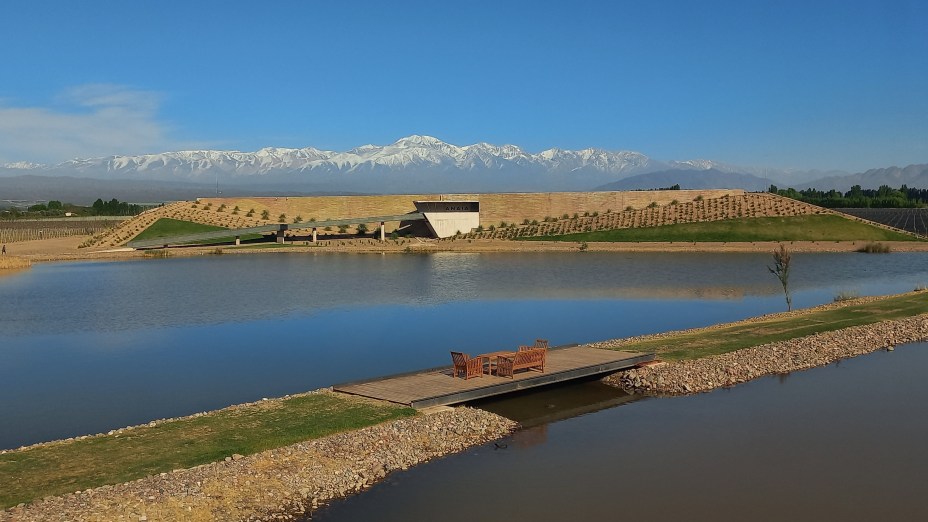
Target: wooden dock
(437,387)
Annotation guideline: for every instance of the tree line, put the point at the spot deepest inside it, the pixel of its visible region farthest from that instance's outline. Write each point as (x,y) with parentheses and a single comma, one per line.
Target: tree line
(857,197)
(113,207)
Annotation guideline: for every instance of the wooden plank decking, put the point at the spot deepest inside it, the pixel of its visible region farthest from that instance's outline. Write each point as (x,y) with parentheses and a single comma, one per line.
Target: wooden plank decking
(438,387)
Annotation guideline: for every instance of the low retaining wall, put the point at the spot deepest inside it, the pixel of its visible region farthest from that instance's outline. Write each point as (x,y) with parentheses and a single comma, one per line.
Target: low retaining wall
(494,208)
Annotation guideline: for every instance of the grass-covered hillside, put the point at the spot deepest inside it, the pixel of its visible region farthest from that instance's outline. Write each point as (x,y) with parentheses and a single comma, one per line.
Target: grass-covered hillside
(167,227)
(823,227)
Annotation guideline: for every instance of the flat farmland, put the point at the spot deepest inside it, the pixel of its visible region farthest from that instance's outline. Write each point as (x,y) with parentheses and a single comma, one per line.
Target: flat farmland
(13,231)
(909,219)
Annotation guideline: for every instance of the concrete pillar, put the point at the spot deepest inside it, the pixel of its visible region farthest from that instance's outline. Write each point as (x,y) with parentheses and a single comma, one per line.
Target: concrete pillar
(382,228)
(314,234)
(238,240)
(280,233)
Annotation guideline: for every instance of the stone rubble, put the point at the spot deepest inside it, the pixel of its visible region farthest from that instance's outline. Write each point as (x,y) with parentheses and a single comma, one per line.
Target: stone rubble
(707,373)
(278,484)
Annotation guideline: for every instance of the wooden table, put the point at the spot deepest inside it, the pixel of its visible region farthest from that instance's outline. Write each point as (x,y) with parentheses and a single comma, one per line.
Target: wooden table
(492,358)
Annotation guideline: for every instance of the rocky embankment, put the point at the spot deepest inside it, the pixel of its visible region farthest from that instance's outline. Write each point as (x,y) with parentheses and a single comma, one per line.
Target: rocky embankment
(276,484)
(707,373)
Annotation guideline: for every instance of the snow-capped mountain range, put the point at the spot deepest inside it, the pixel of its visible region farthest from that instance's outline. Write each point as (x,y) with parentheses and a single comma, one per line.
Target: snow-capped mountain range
(414,162)
(411,164)
(410,152)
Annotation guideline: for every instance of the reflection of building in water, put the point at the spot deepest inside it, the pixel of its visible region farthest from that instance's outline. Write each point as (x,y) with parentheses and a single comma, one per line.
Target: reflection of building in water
(452,275)
(531,436)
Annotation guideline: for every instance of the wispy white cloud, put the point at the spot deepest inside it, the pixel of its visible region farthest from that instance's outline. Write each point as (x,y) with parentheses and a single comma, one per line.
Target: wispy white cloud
(84,121)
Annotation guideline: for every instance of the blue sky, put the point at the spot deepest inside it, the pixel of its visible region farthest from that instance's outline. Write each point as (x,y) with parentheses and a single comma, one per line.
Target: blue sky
(823,84)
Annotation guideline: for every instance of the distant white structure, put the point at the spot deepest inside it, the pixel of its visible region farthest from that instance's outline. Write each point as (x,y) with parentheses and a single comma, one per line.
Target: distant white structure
(447,218)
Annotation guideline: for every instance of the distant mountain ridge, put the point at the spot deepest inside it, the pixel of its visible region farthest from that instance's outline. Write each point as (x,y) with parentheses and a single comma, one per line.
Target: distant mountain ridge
(425,164)
(690,179)
(895,177)
(84,191)
(414,162)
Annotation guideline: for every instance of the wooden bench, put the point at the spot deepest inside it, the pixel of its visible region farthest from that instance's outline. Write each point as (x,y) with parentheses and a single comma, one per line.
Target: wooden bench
(532,359)
(539,343)
(469,366)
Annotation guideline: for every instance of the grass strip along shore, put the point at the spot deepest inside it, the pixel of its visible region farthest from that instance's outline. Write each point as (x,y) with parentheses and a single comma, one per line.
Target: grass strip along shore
(131,453)
(793,228)
(13,263)
(704,342)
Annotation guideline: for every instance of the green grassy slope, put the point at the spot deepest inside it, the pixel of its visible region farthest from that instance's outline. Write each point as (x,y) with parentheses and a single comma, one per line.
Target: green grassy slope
(167,227)
(796,228)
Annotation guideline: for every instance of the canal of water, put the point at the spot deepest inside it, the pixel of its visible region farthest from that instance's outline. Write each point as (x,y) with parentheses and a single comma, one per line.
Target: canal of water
(845,442)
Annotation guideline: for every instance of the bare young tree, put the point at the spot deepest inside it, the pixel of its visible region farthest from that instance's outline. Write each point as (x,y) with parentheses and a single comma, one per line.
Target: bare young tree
(780,268)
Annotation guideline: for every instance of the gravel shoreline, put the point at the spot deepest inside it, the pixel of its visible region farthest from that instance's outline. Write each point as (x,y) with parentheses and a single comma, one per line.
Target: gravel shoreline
(278,484)
(708,373)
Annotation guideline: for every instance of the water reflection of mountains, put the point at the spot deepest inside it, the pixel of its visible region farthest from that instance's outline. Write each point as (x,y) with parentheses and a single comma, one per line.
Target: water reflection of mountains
(103,297)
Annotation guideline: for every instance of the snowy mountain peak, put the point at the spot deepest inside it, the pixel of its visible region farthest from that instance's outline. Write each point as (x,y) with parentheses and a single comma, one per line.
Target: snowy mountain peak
(417,159)
(695,164)
(22,165)
(417,139)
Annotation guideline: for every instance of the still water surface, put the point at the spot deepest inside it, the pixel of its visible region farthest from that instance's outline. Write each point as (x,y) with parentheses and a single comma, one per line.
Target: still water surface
(845,442)
(87,347)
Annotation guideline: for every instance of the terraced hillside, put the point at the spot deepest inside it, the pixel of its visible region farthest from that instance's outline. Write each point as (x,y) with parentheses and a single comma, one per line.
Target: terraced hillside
(751,205)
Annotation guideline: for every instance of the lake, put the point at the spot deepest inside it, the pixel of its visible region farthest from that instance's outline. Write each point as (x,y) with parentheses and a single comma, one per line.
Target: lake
(90,346)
